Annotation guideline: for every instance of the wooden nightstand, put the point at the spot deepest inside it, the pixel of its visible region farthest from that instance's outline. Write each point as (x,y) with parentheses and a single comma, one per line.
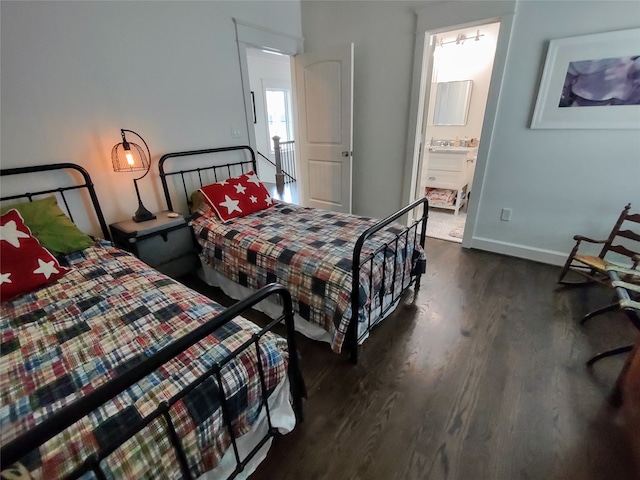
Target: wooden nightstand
(164,243)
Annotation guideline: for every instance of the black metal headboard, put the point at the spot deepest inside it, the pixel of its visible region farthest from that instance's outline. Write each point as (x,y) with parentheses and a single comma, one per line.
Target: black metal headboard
(88,184)
(219,171)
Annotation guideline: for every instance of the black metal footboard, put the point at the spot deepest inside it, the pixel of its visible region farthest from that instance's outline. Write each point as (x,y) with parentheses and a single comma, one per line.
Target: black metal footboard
(407,236)
(15,450)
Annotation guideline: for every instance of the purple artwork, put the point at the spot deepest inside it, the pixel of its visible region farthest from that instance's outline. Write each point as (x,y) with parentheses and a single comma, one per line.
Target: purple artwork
(608,81)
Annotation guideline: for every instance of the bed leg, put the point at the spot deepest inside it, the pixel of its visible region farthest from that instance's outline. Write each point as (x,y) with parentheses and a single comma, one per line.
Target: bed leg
(420,268)
(353,357)
(297,404)
(298,387)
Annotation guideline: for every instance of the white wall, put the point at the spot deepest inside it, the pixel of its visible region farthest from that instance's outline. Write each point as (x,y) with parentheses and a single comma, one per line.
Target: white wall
(74,73)
(383,37)
(558,182)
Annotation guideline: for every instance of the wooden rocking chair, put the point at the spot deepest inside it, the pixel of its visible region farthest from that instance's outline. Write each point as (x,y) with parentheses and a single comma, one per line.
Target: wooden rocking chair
(622,244)
(628,293)
(623,241)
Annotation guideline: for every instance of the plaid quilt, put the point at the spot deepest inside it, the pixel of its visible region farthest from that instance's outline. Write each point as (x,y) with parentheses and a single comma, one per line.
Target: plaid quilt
(106,315)
(311,252)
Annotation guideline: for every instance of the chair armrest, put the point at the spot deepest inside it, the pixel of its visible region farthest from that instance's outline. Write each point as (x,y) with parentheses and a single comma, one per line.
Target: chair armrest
(580,238)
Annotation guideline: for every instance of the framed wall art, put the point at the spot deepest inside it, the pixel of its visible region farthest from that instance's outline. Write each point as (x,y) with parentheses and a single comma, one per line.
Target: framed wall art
(591,82)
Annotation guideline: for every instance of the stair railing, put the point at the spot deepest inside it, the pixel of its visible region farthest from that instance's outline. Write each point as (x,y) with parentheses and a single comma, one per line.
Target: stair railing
(285,161)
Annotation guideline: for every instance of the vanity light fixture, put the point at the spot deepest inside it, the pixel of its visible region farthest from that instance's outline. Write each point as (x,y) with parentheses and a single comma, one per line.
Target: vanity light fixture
(461,38)
(273,52)
(130,157)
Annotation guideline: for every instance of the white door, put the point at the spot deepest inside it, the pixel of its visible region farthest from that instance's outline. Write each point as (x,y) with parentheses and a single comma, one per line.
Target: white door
(324,100)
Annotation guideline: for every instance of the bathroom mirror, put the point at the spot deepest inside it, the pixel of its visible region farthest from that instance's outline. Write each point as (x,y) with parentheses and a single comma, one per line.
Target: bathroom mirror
(452,102)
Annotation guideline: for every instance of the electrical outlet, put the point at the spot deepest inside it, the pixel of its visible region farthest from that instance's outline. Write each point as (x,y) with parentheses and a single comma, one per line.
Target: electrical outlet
(235,132)
(505,215)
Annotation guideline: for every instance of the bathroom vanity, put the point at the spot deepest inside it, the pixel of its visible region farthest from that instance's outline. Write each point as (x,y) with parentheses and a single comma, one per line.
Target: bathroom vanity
(450,168)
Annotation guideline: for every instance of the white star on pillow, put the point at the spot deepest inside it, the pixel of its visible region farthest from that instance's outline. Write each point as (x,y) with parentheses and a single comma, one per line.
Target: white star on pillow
(230,205)
(4,278)
(11,234)
(253,178)
(268,200)
(46,268)
(253,199)
(240,188)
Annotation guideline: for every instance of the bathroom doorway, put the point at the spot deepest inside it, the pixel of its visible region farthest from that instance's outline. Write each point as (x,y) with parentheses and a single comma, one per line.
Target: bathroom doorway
(454,113)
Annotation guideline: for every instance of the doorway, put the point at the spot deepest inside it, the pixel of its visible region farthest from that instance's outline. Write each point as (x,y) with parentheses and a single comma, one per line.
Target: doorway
(454,111)
(310,109)
(319,76)
(265,58)
(270,84)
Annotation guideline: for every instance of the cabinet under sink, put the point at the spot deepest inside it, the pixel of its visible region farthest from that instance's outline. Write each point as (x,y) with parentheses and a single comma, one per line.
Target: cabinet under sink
(450,168)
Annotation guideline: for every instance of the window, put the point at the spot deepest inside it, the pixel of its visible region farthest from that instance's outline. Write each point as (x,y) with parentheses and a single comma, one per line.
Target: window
(278,105)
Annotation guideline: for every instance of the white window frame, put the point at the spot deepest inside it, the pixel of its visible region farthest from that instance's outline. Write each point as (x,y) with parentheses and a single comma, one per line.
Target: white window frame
(270,84)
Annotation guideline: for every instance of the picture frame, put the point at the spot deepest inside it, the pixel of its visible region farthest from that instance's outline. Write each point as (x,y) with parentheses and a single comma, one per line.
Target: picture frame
(557,84)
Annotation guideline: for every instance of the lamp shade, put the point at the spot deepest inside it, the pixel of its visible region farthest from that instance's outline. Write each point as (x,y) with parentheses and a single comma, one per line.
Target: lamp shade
(128,156)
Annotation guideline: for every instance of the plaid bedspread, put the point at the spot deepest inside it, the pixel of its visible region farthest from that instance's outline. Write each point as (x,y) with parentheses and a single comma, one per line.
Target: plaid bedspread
(109,313)
(311,252)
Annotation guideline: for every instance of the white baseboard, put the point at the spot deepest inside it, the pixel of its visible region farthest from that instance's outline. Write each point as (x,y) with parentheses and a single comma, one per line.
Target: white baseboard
(521,251)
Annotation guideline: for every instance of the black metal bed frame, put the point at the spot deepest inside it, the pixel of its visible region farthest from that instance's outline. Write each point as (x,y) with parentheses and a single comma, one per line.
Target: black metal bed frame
(88,184)
(243,166)
(419,222)
(16,449)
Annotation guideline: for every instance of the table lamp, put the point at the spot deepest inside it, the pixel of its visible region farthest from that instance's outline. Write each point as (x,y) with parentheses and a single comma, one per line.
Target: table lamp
(130,157)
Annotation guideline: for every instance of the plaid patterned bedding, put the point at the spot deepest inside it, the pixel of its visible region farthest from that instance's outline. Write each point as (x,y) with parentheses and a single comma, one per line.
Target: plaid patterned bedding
(310,251)
(109,313)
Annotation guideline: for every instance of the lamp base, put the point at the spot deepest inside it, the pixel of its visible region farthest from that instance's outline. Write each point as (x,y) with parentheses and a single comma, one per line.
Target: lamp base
(142,215)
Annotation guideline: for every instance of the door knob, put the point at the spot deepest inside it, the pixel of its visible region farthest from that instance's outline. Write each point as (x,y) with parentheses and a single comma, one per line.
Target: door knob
(346,154)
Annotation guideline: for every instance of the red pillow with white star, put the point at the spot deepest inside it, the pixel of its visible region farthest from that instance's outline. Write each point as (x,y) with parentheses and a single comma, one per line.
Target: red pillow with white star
(25,264)
(237,196)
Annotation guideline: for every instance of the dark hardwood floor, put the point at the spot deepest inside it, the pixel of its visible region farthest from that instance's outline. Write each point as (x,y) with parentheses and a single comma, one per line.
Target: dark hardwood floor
(288,192)
(481,376)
